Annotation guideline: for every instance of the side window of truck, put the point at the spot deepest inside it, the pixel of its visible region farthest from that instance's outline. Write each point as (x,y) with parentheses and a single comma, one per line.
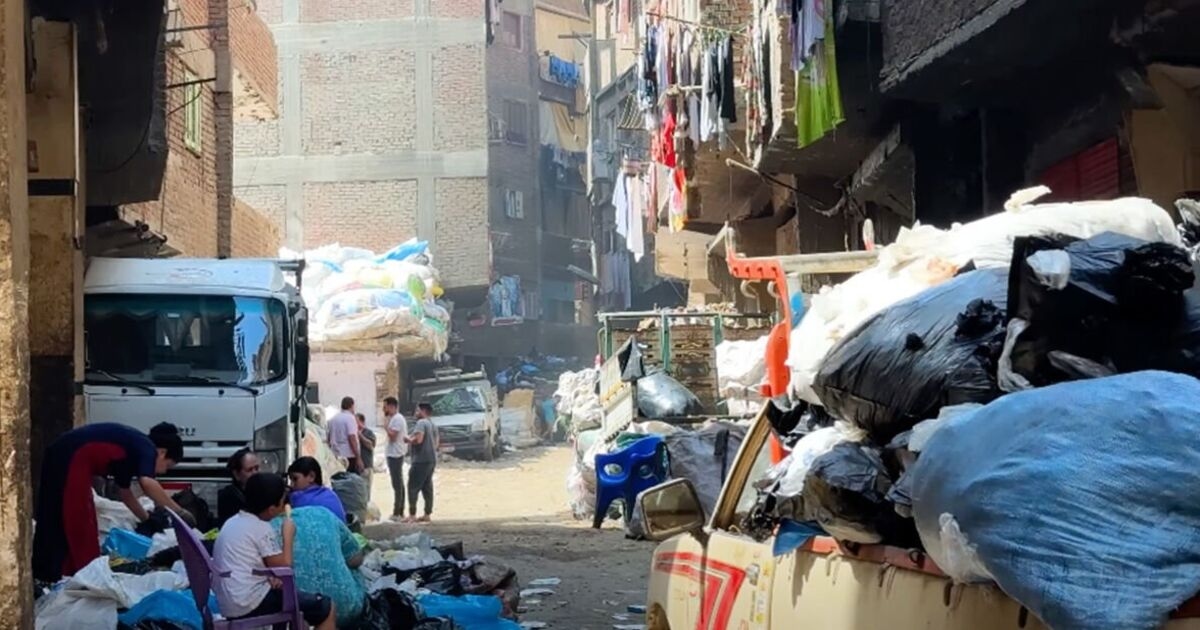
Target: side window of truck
(749,496)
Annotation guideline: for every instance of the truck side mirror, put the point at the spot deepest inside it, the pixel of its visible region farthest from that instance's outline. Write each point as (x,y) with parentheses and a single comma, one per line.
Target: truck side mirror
(671,509)
(302,357)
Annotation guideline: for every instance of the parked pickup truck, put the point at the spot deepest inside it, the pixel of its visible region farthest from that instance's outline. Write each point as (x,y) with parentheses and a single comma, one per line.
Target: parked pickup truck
(708,575)
(465,410)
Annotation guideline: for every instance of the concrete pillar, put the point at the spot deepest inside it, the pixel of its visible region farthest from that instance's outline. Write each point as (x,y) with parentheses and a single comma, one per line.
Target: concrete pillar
(218,18)
(55,234)
(16,582)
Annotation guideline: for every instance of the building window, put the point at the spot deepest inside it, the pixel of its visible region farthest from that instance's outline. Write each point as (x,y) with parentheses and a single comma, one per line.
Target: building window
(514,204)
(510,30)
(516,120)
(193,113)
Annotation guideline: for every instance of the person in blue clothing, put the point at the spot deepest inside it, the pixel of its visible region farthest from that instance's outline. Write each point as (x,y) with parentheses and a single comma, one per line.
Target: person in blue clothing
(65,540)
(324,559)
(308,487)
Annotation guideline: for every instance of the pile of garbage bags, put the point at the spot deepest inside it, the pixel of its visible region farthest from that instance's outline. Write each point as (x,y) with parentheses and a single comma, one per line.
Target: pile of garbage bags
(414,583)
(358,300)
(924,256)
(1026,413)
(578,400)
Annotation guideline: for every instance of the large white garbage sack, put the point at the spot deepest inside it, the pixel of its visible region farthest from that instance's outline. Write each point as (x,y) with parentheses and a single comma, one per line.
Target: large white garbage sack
(925,256)
(577,399)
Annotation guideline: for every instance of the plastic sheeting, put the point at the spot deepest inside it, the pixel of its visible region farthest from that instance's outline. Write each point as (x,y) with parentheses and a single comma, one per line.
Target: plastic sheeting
(89,600)
(578,401)
(925,256)
(1056,491)
(936,349)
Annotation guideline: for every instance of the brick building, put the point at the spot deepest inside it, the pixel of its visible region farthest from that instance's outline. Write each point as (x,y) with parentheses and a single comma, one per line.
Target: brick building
(382,132)
(399,120)
(184,218)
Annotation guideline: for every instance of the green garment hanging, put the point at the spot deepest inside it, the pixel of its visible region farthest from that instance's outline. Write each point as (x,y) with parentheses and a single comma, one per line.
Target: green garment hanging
(818,96)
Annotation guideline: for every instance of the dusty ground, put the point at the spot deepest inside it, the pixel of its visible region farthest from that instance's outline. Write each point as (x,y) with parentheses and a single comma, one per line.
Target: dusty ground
(515,511)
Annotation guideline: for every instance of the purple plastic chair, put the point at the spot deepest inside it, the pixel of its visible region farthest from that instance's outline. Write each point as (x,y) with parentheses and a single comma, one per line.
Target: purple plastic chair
(203,573)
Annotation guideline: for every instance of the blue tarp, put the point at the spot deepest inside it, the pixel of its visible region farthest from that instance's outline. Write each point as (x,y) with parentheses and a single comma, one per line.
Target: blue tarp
(472,612)
(1081,499)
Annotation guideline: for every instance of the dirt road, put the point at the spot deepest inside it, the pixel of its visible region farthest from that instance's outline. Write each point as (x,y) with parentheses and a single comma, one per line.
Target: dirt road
(515,511)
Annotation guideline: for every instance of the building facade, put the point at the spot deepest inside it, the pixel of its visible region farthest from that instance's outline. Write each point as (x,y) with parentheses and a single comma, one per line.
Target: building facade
(382,134)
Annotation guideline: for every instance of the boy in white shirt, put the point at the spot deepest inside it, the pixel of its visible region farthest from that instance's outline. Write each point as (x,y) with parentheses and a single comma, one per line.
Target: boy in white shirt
(247,543)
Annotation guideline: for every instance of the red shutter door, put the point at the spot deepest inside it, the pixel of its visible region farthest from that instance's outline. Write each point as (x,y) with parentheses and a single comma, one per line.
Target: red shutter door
(1089,175)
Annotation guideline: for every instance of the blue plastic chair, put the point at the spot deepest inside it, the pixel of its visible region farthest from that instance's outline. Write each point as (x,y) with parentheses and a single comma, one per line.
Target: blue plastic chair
(627,472)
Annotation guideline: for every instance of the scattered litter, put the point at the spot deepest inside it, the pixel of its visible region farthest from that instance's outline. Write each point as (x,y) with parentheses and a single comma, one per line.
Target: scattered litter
(636,609)
(620,617)
(534,625)
(630,626)
(545,582)
(534,592)
(609,602)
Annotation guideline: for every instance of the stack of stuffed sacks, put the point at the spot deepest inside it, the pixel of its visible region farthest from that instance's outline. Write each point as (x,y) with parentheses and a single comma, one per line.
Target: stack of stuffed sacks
(578,401)
(358,299)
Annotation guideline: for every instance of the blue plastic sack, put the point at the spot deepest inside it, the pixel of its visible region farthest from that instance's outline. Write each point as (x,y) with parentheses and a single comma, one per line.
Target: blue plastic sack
(176,607)
(1080,500)
(472,612)
(404,251)
(126,544)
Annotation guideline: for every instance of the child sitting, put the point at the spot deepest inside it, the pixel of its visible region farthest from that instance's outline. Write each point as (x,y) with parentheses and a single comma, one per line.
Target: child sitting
(308,488)
(247,543)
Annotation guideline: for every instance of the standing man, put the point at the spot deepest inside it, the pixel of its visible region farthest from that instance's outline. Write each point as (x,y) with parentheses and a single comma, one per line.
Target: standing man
(424,442)
(397,448)
(366,445)
(343,436)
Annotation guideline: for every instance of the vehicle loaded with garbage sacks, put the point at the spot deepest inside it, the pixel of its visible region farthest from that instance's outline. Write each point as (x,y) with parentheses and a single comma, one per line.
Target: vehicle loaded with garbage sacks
(996,426)
(216,347)
(465,410)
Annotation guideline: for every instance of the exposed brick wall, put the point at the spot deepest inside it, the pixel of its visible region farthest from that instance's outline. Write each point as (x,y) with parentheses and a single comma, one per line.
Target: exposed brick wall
(374,215)
(461,235)
(456,8)
(186,211)
(254,54)
(254,235)
(256,138)
(346,10)
(459,111)
(362,101)
(270,201)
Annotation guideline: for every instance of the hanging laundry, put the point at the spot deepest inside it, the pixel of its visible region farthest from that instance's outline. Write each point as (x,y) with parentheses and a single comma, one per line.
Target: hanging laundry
(710,108)
(635,240)
(564,72)
(620,202)
(818,94)
(678,211)
(668,156)
(728,103)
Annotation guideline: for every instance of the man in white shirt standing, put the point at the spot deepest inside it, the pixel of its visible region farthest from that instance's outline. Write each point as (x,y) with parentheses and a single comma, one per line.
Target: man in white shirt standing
(343,436)
(397,449)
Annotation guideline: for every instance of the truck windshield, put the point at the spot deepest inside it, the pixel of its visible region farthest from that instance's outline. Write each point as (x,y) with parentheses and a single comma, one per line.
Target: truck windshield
(185,339)
(448,402)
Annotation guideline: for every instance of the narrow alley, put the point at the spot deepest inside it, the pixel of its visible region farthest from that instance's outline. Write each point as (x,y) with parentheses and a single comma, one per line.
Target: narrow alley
(514,511)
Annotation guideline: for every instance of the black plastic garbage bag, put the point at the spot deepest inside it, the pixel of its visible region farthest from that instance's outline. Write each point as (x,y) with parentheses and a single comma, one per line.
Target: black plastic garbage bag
(1124,305)
(935,349)
(443,577)
(661,396)
(846,493)
(390,609)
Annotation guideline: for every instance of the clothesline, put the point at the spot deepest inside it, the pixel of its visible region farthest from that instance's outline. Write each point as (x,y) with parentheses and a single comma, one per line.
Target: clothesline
(737,33)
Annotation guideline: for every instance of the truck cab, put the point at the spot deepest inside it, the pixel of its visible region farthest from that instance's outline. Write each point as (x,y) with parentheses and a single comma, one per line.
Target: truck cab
(708,574)
(466,411)
(216,347)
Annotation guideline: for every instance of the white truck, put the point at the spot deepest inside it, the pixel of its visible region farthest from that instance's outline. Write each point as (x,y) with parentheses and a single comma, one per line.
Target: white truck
(466,411)
(217,347)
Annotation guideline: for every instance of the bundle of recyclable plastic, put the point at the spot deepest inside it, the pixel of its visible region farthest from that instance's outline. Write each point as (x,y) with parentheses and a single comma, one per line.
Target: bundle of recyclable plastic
(925,256)
(741,369)
(1076,499)
(358,300)
(578,400)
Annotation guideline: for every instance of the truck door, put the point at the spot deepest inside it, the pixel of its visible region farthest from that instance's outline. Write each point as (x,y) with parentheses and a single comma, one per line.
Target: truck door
(733,572)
